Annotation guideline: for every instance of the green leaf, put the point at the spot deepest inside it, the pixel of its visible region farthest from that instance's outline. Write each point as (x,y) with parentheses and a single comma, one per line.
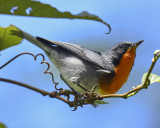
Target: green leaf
(9,36)
(2,125)
(38,9)
(100,102)
(153,78)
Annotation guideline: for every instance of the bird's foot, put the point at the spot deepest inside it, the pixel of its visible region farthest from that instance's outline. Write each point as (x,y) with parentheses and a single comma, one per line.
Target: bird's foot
(90,97)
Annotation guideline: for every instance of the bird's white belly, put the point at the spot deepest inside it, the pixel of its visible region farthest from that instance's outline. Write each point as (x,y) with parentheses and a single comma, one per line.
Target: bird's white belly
(76,72)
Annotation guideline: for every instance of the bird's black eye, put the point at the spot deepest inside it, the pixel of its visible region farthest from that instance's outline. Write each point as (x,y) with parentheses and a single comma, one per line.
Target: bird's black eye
(121,47)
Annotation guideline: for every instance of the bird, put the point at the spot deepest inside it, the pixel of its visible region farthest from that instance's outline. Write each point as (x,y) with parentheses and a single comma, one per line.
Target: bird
(85,70)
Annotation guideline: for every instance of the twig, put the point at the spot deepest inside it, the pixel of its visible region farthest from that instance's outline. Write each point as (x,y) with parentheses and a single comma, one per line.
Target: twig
(15,58)
(44,93)
(35,57)
(53,94)
(88,97)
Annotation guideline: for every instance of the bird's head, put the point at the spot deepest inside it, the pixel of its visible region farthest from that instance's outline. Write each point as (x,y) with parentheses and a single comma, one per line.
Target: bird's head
(122,49)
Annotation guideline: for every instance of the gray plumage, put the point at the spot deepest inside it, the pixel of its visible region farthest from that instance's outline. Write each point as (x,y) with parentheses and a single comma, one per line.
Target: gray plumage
(80,68)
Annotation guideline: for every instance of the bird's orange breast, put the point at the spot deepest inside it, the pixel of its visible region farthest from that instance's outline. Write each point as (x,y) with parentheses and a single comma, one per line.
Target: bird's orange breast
(122,72)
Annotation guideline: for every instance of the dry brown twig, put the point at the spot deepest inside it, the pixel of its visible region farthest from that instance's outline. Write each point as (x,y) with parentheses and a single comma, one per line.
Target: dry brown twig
(79,100)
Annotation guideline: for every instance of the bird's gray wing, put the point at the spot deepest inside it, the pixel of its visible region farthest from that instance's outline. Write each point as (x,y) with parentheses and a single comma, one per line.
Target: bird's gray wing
(89,55)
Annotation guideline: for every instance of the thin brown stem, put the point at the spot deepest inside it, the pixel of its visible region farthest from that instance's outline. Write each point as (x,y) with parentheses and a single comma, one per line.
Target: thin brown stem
(81,101)
(15,58)
(44,93)
(125,95)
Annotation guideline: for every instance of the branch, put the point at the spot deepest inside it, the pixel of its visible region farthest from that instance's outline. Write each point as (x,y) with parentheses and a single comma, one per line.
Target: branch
(88,97)
(44,93)
(54,94)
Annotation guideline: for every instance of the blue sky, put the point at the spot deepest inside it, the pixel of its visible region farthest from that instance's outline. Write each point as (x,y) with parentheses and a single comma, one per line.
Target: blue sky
(130,21)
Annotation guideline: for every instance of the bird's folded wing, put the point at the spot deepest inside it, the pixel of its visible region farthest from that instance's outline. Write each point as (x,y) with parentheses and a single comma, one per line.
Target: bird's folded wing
(91,56)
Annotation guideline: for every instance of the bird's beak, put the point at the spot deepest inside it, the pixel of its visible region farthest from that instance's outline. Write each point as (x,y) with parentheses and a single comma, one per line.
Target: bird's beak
(135,45)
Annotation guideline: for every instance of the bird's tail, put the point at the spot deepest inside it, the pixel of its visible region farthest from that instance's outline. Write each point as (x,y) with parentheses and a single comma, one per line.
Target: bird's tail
(43,44)
(29,37)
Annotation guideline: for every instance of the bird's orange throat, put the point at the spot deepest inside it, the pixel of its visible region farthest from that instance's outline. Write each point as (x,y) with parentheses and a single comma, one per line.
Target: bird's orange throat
(122,72)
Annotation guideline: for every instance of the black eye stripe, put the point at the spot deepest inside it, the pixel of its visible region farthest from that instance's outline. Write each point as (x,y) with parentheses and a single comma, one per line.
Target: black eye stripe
(121,46)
